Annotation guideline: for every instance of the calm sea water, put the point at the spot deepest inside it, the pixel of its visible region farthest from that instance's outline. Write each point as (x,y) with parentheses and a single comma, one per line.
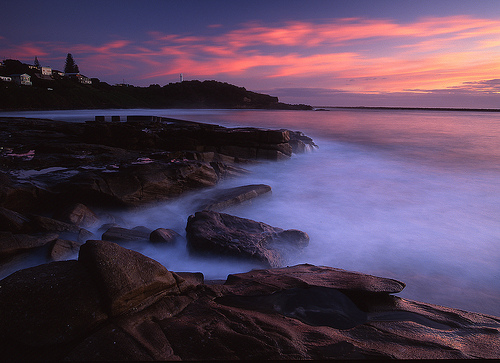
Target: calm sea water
(410,195)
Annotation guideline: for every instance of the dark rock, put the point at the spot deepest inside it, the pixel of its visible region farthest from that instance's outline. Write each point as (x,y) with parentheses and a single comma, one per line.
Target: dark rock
(226,198)
(14,243)
(44,224)
(72,231)
(164,235)
(317,305)
(142,229)
(301,143)
(308,275)
(109,344)
(140,184)
(219,233)
(11,221)
(124,234)
(78,214)
(48,305)
(22,198)
(300,312)
(127,279)
(63,250)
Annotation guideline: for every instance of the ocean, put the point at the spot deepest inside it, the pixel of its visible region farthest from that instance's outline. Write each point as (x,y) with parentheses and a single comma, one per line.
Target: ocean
(412,195)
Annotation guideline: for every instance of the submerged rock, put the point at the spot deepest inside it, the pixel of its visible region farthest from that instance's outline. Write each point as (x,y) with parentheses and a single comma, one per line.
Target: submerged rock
(218,233)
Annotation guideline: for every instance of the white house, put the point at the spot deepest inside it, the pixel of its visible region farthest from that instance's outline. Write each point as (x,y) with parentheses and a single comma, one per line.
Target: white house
(46,71)
(22,79)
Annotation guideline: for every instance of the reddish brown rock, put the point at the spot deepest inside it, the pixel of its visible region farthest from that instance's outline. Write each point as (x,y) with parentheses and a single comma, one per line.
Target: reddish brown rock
(114,234)
(164,235)
(218,233)
(48,305)
(11,221)
(138,185)
(14,243)
(126,278)
(300,312)
(310,275)
(78,214)
(63,249)
(225,198)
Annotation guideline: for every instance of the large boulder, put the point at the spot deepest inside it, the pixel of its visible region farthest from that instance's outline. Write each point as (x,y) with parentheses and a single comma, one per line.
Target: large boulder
(115,304)
(127,279)
(48,305)
(218,233)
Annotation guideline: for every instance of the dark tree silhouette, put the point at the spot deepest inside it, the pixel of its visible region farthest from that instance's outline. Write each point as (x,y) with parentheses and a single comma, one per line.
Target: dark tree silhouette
(36,63)
(71,66)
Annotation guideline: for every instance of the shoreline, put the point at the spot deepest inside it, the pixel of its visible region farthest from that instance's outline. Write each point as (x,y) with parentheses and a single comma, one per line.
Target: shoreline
(409,108)
(148,304)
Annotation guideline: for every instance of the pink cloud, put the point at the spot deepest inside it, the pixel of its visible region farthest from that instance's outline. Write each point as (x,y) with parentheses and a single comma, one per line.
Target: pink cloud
(354,54)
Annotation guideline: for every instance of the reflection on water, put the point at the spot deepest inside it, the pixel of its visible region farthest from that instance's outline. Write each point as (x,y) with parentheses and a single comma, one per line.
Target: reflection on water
(411,195)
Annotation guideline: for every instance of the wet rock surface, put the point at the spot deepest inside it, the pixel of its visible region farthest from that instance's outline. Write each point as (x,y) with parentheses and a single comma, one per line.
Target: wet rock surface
(216,233)
(125,164)
(113,303)
(116,304)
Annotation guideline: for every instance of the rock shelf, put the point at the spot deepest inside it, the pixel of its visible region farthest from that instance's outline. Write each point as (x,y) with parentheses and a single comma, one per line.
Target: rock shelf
(59,181)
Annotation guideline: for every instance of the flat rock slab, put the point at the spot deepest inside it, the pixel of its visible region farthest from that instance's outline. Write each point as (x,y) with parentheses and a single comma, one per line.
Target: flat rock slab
(13,243)
(271,280)
(124,234)
(225,198)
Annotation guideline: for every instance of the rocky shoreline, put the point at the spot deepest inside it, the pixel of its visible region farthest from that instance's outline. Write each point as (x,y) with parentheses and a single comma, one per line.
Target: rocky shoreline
(94,299)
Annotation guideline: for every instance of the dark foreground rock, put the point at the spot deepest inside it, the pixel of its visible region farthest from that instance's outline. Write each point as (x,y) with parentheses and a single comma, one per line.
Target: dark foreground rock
(216,233)
(116,304)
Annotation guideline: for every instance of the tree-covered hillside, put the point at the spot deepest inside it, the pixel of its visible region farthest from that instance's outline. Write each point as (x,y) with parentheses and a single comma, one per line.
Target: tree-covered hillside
(64,93)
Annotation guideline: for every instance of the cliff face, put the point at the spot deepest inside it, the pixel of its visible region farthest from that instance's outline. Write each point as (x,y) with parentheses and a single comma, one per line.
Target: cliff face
(67,94)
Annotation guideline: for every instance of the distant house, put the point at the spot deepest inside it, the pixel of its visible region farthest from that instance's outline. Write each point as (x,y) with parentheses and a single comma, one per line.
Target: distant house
(22,79)
(79,77)
(46,71)
(5,79)
(57,74)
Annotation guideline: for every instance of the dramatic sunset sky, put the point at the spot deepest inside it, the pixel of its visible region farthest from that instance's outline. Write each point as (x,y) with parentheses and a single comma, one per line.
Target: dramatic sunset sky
(425,53)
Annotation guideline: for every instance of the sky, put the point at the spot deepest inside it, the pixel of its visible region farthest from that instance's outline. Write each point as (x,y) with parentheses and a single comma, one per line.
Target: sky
(408,53)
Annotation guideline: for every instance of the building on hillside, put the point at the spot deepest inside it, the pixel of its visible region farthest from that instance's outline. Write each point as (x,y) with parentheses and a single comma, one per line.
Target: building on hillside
(46,71)
(57,74)
(22,79)
(79,78)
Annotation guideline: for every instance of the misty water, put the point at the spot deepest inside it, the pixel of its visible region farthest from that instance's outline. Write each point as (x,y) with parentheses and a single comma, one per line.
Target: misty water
(404,194)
